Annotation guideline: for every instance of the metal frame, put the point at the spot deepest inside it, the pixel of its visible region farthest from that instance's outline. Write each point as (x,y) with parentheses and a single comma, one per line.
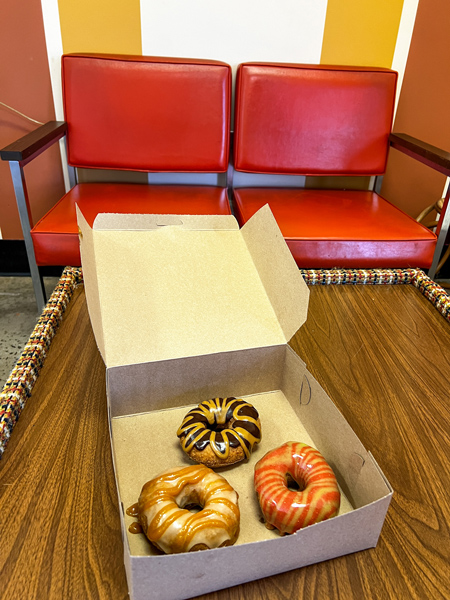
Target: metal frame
(23,205)
(230,176)
(72,171)
(442,232)
(377,184)
(19,154)
(24,150)
(439,160)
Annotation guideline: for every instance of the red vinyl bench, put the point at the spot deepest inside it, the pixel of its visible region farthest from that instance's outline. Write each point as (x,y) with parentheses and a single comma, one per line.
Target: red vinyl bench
(316,120)
(132,113)
(172,115)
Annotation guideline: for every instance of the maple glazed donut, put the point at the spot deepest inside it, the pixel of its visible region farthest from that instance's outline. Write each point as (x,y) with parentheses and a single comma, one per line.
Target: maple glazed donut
(171,527)
(220,431)
(318,497)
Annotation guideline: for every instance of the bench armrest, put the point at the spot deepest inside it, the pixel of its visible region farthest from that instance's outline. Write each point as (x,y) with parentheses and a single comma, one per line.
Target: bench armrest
(32,144)
(440,161)
(429,155)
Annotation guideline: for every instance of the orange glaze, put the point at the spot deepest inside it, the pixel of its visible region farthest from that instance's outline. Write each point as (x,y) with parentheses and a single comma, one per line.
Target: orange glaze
(132,511)
(288,511)
(173,528)
(135,527)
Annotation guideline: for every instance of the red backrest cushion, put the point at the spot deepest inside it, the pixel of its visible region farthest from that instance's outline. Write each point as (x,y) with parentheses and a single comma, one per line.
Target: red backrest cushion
(147,113)
(313,119)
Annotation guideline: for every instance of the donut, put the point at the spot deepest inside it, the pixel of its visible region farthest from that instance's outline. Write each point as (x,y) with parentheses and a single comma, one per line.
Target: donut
(171,527)
(220,431)
(317,499)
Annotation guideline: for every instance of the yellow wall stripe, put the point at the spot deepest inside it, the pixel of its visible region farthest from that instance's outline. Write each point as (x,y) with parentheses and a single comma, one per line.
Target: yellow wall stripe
(361,32)
(111,26)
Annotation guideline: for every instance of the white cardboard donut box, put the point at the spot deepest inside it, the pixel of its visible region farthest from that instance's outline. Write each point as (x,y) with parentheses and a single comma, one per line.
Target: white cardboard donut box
(186,308)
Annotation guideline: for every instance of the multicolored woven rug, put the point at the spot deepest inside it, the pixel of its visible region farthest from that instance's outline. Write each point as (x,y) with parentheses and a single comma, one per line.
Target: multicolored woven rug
(19,386)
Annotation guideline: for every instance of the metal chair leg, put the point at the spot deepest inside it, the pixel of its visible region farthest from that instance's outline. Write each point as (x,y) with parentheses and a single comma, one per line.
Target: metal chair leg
(20,190)
(442,236)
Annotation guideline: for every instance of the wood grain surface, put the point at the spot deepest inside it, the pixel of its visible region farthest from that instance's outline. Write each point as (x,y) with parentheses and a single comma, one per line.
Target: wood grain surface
(59,521)
(381,352)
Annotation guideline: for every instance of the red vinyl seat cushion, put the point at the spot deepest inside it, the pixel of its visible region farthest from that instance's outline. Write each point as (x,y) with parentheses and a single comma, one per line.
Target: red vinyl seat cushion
(55,236)
(313,119)
(144,113)
(342,229)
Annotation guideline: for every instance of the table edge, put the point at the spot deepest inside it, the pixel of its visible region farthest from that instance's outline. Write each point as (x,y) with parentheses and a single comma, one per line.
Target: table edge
(18,387)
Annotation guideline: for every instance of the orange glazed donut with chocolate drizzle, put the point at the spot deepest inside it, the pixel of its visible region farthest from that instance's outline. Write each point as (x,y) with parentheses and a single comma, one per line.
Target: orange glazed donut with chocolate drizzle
(171,527)
(220,431)
(317,499)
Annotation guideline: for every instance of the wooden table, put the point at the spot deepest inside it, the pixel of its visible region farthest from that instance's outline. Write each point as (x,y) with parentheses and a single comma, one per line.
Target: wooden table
(381,352)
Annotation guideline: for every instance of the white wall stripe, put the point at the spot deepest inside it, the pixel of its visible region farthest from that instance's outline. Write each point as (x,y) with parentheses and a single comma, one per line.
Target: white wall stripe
(403,43)
(240,30)
(445,190)
(53,40)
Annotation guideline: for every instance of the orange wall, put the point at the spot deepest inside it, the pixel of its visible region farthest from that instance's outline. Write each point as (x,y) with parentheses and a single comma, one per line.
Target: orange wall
(25,85)
(100,26)
(423,109)
(353,29)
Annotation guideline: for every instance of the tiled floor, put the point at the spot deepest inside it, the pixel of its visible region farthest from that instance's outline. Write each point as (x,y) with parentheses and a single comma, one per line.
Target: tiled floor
(18,316)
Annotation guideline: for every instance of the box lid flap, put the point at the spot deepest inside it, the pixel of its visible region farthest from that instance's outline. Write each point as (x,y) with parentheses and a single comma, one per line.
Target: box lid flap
(280,276)
(170,286)
(90,278)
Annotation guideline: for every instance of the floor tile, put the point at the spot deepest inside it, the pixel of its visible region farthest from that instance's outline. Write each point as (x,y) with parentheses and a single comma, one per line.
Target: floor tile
(18,317)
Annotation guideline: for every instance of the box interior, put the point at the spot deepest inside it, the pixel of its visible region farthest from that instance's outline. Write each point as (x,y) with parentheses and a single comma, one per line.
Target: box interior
(151,454)
(292,407)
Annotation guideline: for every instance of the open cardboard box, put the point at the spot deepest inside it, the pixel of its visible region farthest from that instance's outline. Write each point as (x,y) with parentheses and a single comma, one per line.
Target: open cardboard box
(186,308)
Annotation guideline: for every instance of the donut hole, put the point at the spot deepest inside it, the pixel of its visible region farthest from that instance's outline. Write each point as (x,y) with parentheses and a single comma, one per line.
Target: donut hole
(220,426)
(217,426)
(293,485)
(191,502)
(193,507)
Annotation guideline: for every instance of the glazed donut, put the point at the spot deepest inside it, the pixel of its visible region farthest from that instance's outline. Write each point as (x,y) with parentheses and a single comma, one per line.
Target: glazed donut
(318,497)
(219,432)
(171,527)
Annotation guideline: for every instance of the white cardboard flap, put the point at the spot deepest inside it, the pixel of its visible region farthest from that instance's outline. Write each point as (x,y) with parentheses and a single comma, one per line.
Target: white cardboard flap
(157,289)
(90,280)
(282,280)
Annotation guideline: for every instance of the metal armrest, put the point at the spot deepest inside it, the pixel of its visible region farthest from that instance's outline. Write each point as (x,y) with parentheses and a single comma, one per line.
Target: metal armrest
(425,153)
(440,161)
(18,154)
(32,144)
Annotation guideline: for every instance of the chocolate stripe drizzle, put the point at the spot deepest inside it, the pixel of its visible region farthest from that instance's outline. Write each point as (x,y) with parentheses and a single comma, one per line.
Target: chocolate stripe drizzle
(223,423)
